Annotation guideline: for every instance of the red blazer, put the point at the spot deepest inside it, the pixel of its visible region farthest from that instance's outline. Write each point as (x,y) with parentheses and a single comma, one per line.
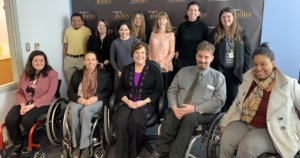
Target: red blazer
(44,91)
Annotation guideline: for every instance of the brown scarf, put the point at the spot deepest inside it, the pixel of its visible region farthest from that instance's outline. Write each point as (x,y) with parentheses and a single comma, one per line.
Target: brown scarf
(89,83)
(252,102)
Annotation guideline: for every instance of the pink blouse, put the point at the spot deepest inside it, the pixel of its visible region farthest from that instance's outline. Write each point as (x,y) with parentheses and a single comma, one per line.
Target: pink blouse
(162,49)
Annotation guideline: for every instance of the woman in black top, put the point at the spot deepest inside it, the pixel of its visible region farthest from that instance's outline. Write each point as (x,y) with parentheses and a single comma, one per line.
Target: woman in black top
(100,44)
(232,55)
(189,35)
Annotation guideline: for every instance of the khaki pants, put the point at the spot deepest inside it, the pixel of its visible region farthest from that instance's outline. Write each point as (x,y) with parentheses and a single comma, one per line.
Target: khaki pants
(72,64)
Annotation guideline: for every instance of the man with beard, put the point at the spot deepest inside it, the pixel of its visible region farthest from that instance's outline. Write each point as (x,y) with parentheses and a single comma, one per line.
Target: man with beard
(195,95)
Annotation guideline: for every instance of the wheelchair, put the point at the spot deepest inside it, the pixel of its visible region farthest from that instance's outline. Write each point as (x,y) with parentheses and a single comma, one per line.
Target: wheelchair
(97,142)
(109,132)
(50,121)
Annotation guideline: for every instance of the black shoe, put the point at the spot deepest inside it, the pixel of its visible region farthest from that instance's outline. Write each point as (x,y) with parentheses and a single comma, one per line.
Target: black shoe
(16,150)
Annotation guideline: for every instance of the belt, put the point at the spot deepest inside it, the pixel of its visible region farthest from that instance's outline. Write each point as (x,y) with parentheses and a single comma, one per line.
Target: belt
(75,56)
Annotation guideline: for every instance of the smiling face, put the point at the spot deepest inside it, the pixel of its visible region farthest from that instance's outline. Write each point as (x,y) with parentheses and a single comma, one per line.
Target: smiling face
(162,22)
(140,56)
(226,19)
(90,61)
(38,62)
(101,27)
(262,66)
(124,31)
(193,12)
(138,20)
(203,59)
(77,22)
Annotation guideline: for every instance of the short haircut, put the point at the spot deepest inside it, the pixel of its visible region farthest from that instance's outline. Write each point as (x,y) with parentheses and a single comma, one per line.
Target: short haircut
(204,45)
(138,45)
(264,49)
(77,14)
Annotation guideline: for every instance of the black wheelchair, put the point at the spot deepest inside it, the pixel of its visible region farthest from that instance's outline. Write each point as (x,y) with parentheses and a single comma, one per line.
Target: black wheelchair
(97,142)
(109,132)
(50,121)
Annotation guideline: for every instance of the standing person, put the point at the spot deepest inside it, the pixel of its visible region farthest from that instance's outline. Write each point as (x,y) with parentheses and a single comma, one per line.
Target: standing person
(35,92)
(138,26)
(162,45)
(196,93)
(137,95)
(88,89)
(120,50)
(100,44)
(189,35)
(264,117)
(233,52)
(75,40)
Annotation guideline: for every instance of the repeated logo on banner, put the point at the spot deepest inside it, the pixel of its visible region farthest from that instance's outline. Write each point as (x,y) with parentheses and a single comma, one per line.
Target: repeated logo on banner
(249,12)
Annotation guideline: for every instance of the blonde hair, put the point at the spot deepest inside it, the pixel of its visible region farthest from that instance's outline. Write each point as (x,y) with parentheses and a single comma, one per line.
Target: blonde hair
(235,30)
(162,15)
(142,33)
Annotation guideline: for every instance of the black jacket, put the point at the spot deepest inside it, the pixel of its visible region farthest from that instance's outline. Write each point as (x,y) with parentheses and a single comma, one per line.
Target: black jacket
(150,83)
(242,61)
(104,85)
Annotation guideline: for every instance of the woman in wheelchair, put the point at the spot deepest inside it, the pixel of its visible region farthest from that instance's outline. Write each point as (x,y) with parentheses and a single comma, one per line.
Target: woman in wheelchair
(35,92)
(137,94)
(88,89)
(263,118)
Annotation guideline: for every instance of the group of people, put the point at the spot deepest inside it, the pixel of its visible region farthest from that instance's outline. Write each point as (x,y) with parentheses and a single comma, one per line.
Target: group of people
(215,71)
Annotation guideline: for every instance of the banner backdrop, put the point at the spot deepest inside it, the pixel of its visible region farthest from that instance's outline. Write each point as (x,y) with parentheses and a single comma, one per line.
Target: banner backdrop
(249,12)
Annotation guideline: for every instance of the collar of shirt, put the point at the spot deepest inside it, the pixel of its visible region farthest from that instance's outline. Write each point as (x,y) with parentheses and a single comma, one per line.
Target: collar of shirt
(202,72)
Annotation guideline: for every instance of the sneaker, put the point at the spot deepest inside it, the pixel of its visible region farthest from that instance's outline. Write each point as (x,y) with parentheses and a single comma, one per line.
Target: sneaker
(85,153)
(76,153)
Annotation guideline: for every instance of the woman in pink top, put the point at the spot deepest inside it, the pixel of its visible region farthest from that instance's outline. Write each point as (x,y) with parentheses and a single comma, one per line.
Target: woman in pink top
(162,45)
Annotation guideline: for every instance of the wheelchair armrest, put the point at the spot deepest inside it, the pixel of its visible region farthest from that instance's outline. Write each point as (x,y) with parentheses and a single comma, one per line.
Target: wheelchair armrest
(162,104)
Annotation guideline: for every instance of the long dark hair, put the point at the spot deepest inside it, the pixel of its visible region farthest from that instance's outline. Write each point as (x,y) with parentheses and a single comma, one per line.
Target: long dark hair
(30,71)
(97,34)
(235,31)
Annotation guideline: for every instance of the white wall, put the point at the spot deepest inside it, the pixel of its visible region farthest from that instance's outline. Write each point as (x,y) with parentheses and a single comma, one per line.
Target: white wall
(40,21)
(281,29)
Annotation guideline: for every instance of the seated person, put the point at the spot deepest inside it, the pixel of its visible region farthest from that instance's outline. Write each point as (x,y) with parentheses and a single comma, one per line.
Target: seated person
(263,117)
(88,89)
(137,95)
(35,92)
(196,93)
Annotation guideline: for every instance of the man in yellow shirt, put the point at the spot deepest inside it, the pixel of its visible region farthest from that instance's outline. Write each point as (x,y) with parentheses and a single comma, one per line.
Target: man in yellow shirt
(75,40)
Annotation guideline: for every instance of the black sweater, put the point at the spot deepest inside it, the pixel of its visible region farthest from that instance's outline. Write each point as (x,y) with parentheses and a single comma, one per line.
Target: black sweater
(188,36)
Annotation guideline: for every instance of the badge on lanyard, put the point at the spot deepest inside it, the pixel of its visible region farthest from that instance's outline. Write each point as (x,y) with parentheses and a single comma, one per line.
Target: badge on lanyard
(231,54)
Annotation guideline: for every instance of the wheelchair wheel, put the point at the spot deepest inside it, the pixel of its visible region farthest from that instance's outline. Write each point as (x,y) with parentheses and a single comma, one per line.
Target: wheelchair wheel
(213,138)
(39,154)
(54,121)
(109,131)
(99,153)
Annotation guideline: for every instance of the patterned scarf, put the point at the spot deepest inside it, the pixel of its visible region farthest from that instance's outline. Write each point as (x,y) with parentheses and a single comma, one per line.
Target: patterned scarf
(252,102)
(89,83)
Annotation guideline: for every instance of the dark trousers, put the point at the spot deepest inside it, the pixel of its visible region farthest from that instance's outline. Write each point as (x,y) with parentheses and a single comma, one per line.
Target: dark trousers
(130,125)
(176,134)
(232,85)
(167,80)
(13,120)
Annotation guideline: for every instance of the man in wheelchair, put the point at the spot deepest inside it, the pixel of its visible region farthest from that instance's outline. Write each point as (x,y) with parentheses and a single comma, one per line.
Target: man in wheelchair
(264,117)
(195,95)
